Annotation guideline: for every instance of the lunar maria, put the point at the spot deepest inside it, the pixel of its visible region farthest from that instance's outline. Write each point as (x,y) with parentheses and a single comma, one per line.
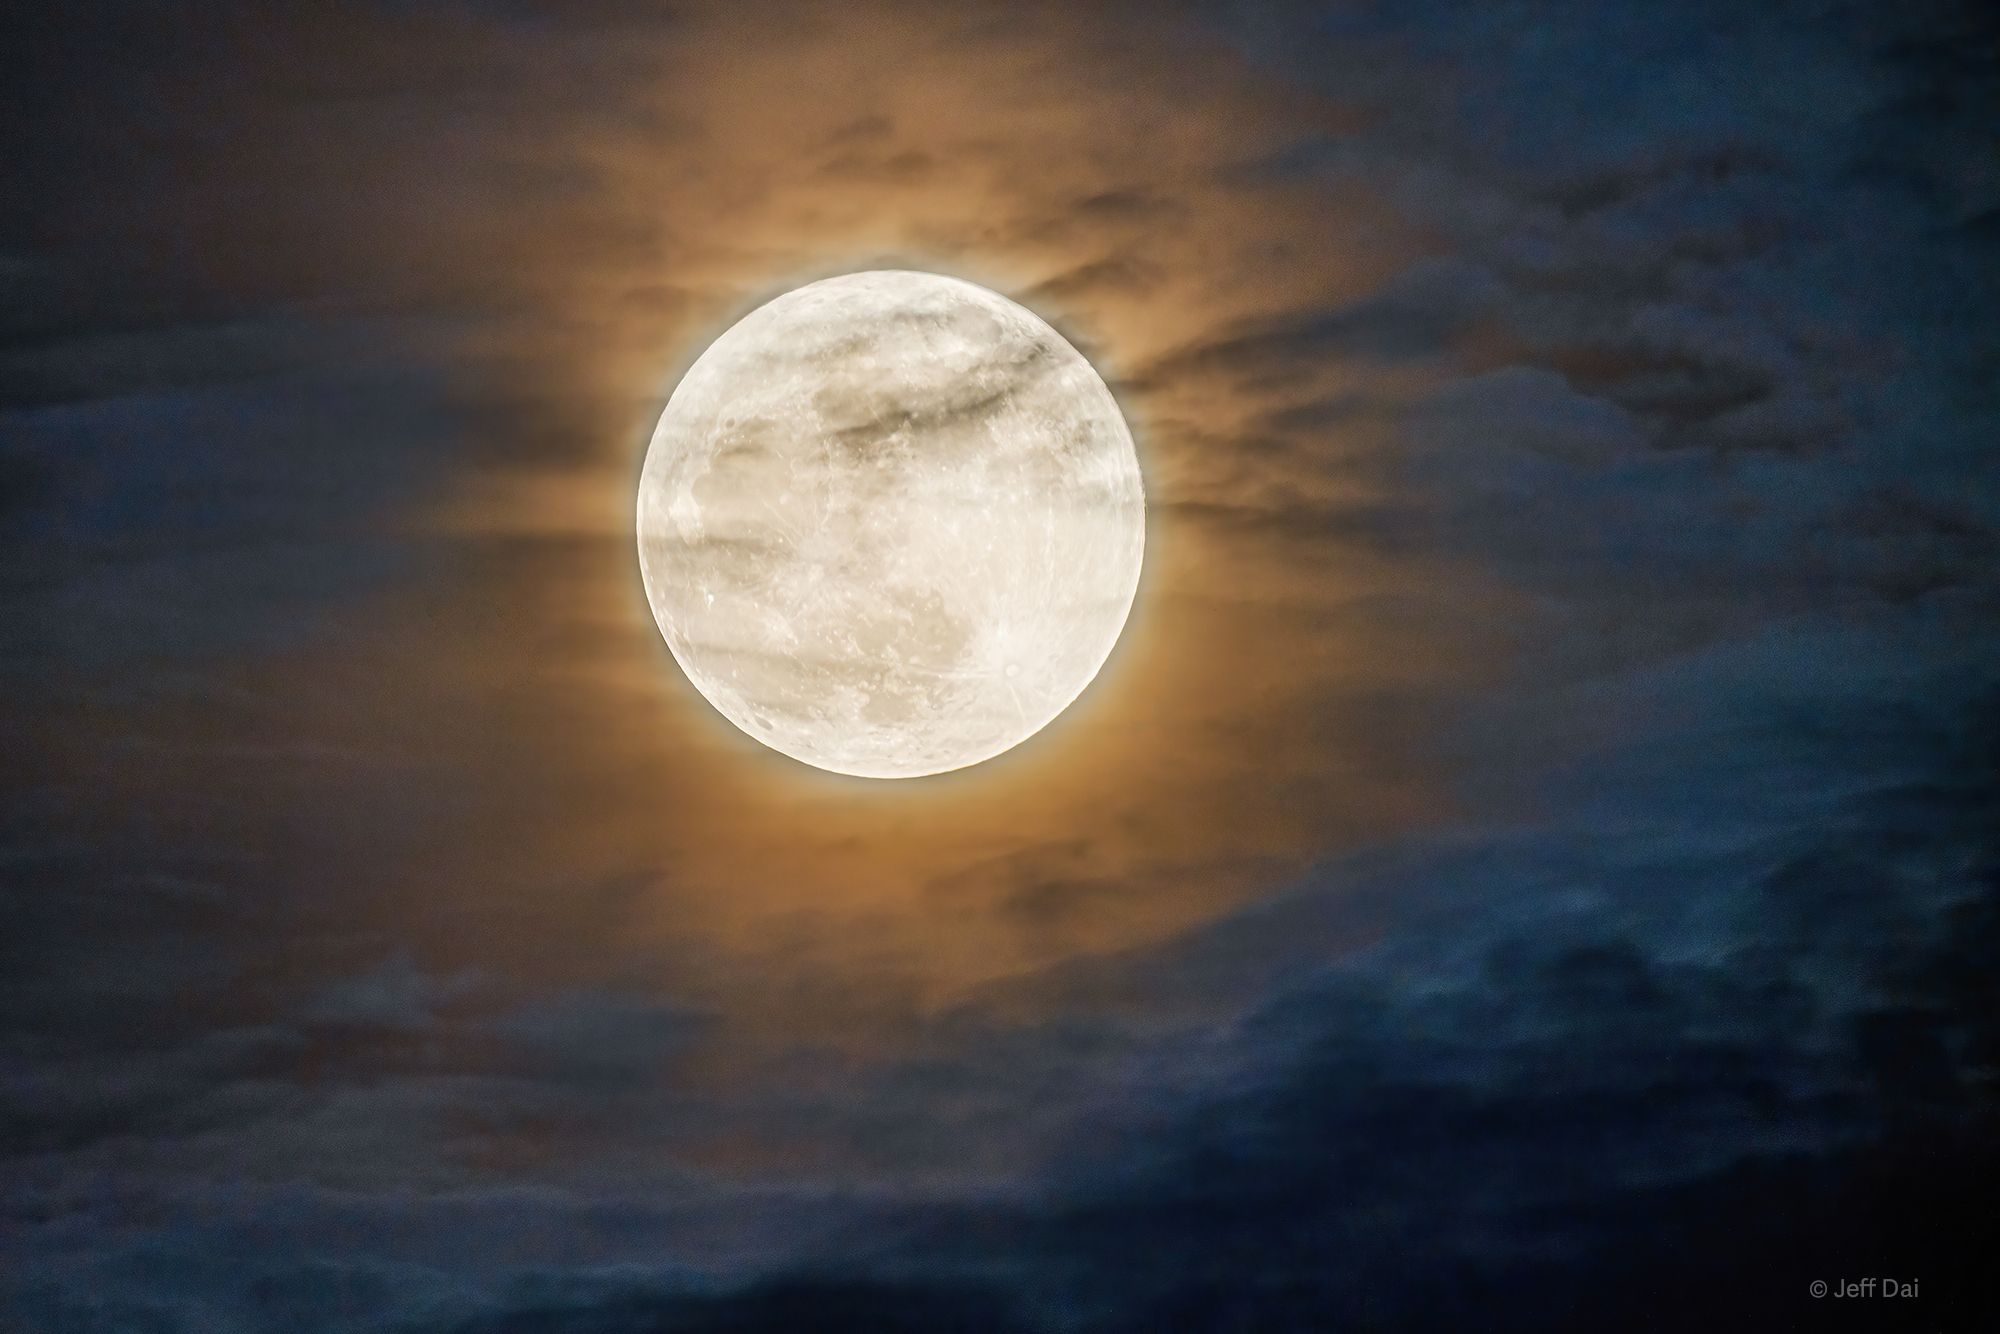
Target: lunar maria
(891,524)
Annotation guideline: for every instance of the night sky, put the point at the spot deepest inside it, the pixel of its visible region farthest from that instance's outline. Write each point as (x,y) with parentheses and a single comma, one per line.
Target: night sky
(1531,863)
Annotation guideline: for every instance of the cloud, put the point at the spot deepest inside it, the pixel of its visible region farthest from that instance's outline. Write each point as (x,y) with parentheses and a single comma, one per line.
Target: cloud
(596,1039)
(1532,848)
(397,995)
(805,1304)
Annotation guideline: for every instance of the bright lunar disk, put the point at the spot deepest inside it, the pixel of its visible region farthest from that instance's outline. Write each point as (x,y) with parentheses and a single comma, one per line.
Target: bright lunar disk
(891,523)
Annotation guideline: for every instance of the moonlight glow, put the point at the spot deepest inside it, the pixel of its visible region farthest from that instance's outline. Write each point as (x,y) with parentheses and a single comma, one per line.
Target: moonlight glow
(891,524)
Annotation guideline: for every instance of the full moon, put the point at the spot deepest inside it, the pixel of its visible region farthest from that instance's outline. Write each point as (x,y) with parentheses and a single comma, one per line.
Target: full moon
(890,524)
